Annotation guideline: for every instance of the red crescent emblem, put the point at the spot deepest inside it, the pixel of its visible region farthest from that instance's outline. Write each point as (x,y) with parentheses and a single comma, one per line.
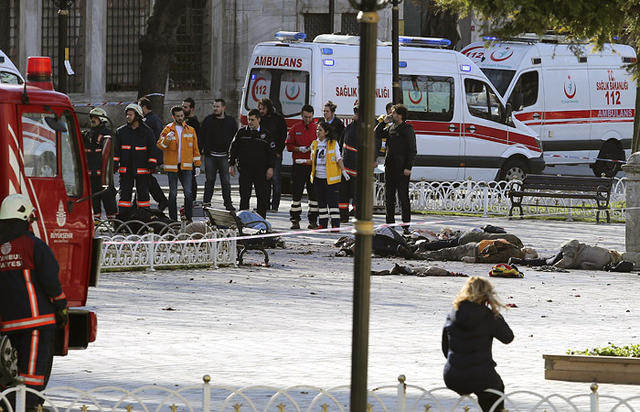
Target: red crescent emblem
(575,90)
(286,93)
(415,101)
(253,88)
(504,56)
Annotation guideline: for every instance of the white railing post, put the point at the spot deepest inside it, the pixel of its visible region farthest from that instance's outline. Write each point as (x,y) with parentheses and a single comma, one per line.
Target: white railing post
(214,250)
(402,394)
(595,398)
(206,394)
(485,200)
(21,397)
(151,250)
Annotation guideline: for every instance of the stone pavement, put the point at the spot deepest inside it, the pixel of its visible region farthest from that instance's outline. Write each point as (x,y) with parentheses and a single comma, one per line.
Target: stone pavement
(291,323)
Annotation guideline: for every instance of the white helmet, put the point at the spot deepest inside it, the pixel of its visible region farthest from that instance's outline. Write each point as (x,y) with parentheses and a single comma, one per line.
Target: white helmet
(99,113)
(16,206)
(135,107)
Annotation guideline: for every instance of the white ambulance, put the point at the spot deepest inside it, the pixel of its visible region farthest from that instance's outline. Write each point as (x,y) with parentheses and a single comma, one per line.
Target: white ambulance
(578,99)
(462,127)
(9,74)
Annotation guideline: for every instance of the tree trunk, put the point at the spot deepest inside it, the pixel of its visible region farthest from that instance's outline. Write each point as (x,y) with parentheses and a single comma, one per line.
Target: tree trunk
(158,46)
(440,23)
(5,26)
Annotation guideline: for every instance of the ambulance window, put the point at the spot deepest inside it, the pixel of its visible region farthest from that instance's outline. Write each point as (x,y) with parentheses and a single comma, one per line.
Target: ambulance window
(482,101)
(10,78)
(525,92)
(501,79)
(71,163)
(428,97)
(287,89)
(39,147)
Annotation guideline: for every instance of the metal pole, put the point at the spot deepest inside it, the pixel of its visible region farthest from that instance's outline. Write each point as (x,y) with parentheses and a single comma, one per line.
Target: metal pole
(395,53)
(368,19)
(332,14)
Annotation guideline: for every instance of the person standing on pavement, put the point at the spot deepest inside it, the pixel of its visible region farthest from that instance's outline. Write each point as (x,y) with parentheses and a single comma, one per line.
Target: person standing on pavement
(179,143)
(350,160)
(94,143)
(154,122)
(400,154)
(381,130)
(32,302)
(329,116)
(189,107)
(467,338)
(276,125)
(134,156)
(301,135)
(327,171)
(217,131)
(253,151)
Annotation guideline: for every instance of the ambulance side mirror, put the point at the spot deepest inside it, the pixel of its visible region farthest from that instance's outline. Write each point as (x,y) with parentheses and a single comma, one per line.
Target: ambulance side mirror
(507,115)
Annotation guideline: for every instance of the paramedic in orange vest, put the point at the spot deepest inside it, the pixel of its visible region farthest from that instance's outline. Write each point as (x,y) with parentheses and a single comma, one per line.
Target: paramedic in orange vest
(32,302)
(179,144)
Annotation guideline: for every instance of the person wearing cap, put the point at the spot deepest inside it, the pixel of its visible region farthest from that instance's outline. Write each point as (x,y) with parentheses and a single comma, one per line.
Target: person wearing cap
(134,158)
(95,140)
(32,302)
(179,144)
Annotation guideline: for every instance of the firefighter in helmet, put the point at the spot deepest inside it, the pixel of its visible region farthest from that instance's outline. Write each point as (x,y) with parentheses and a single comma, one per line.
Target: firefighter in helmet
(32,302)
(96,140)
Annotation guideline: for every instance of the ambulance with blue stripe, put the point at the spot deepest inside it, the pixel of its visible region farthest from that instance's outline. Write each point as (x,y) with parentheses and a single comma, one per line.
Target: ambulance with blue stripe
(579,99)
(463,127)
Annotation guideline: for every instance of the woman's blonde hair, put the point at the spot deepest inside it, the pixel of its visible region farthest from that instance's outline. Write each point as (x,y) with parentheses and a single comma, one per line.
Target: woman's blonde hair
(479,290)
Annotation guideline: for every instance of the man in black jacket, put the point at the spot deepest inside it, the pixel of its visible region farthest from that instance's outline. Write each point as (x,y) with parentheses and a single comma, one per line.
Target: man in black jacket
(154,122)
(95,140)
(400,154)
(254,151)
(276,125)
(215,137)
(189,107)
(32,302)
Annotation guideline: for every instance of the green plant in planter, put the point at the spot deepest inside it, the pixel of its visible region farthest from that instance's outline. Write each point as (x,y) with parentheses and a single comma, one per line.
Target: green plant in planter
(630,351)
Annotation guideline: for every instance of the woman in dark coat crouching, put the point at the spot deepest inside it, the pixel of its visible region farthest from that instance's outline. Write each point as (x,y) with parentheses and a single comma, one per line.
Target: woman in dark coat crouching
(466,342)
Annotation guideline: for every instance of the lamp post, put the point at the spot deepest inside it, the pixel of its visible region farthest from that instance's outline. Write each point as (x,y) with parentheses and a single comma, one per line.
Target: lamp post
(63,7)
(395,53)
(368,20)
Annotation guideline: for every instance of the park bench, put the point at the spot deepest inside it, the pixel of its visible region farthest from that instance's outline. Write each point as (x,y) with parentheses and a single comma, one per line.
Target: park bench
(228,219)
(595,189)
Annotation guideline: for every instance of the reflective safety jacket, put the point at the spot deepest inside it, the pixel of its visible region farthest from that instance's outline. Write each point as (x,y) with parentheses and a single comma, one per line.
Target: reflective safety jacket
(134,150)
(30,290)
(189,152)
(334,175)
(94,142)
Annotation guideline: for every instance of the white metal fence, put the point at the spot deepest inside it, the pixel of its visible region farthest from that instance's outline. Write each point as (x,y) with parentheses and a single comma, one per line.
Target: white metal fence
(492,198)
(208,397)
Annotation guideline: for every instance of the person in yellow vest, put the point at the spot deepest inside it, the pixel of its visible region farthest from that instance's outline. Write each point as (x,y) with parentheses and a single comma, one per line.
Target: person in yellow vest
(327,171)
(179,144)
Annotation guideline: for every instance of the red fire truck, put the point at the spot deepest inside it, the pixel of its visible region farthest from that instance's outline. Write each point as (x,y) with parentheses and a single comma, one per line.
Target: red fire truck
(42,156)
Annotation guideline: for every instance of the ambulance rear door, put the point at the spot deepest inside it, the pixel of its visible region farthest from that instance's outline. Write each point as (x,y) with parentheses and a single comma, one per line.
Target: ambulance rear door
(52,174)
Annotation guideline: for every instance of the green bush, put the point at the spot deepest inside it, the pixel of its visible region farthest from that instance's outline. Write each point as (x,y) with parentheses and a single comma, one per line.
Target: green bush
(631,351)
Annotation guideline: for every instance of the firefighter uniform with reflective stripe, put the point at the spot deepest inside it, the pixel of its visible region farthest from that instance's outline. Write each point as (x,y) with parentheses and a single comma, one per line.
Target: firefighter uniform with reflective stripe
(302,135)
(30,294)
(94,144)
(134,158)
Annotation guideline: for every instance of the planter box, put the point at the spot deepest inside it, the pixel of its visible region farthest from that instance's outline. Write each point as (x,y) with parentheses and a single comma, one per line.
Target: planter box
(600,369)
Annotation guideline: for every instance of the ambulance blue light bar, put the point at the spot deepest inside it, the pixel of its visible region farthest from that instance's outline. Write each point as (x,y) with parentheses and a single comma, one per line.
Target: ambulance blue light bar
(490,38)
(465,67)
(329,62)
(402,64)
(290,36)
(327,50)
(424,41)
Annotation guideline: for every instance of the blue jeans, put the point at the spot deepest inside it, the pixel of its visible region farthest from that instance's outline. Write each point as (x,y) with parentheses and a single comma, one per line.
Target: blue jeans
(185,177)
(212,166)
(276,182)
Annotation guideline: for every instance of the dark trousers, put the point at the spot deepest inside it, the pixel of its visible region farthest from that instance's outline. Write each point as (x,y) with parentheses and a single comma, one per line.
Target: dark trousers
(254,177)
(347,195)
(214,165)
(194,186)
(327,196)
(106,199)
(185,180)
(156,192)
(485,399)
(301,178)
(274,186)
(127,181)
(397,182)
(35,358)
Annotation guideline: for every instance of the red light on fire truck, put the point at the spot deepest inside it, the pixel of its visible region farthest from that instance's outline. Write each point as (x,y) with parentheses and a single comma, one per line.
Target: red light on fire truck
(39,72)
